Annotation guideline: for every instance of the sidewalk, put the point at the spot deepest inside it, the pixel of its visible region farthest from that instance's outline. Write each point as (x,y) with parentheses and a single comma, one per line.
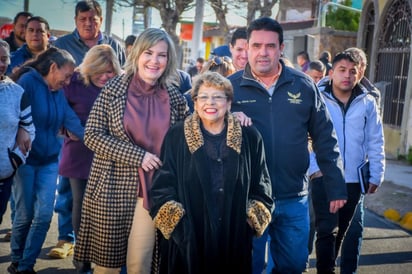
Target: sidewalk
(399,173)
(387,248)
(395,192)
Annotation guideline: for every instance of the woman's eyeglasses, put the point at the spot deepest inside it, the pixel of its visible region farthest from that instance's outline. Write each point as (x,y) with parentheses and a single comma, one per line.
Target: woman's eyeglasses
(215,98)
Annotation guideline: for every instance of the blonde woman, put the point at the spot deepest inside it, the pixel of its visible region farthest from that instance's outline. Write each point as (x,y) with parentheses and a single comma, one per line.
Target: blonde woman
(99,65)
(125,131)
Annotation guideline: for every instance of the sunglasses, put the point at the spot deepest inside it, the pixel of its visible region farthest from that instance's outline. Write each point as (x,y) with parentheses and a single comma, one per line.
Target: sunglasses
(218,60)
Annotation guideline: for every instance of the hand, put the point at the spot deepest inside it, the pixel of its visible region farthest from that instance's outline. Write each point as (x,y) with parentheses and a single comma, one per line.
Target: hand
(150,161)
(335,205)
(72,136)
(243,118)
(372,188)
(23,140)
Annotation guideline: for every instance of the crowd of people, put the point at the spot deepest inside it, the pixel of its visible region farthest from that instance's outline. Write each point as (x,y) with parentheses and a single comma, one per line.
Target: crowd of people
(158,170)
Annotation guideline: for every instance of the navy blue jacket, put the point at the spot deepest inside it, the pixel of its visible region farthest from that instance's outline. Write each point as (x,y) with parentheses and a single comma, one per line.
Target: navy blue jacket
(18,58)
(285,119)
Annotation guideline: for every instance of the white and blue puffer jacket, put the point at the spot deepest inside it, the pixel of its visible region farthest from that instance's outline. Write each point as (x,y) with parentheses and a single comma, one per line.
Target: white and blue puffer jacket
(359,131)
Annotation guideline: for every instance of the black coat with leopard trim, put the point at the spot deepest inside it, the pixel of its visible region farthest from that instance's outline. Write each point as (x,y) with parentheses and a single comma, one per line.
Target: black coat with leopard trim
(182,185)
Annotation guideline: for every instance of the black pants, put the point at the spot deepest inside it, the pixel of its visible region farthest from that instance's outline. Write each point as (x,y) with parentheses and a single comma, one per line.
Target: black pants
(331,228)
(5,192)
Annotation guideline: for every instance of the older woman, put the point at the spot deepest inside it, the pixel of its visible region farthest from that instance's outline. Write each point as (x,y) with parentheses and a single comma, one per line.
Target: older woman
(213,191)
(125,130)
(99,65)
(35,182)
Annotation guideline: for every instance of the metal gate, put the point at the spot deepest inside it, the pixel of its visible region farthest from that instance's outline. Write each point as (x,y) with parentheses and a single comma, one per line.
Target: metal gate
(393,60)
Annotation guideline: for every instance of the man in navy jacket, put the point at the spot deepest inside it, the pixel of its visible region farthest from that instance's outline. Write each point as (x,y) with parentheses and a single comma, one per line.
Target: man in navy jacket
(286,107)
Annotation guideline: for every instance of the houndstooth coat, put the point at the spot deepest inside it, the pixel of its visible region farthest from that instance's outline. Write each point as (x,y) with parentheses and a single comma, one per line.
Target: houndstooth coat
(111,192)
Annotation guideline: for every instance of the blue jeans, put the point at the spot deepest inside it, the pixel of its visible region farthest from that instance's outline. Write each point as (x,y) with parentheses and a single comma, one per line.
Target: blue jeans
(352,243)
(289,233)
(34,192)
(63,208)
(259,254)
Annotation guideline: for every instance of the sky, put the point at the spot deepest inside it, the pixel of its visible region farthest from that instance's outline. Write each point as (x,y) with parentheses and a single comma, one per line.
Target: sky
(60,14)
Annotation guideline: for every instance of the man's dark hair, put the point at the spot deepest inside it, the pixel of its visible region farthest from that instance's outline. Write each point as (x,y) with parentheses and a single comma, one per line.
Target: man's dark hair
(130,40)
(200,60)
(88,5)
(23,14)
(317,65)
(268,24)
(40,20)
(239,33)
(345,55)
(325,55)
(304,55)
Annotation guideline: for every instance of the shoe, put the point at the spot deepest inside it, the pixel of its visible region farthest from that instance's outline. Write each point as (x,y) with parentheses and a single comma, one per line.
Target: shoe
(12,269)
(61,250)
(7,237)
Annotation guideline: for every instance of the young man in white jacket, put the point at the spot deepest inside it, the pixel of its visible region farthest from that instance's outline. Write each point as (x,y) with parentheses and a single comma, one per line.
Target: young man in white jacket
(358,125)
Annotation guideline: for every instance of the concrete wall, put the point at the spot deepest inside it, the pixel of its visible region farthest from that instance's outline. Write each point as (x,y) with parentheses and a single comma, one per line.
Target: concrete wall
(315,40)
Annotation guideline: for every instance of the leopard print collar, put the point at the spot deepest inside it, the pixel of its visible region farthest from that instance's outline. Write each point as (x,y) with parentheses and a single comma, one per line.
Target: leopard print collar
(194,137)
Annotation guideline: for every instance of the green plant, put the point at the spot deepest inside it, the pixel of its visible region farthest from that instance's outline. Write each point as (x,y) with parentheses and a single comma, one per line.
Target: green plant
(341,19)
(409,158)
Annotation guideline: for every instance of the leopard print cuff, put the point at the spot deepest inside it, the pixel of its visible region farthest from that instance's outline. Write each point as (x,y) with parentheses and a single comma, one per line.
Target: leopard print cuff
(168,217)
(258,216)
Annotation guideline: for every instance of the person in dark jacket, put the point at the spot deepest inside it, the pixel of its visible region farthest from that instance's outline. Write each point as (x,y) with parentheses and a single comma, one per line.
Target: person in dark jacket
(16,38)
(35,182)
(37,33)
(213,191)
(286,107)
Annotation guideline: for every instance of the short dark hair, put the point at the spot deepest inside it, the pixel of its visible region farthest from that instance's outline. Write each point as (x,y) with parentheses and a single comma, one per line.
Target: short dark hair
(268,24)
(88,5)
(200,60)
(239,33)
(130,40)
(43,62)
(304,54)
(317,65)
(21,14)
(40,20)
(345,55)
(325,55)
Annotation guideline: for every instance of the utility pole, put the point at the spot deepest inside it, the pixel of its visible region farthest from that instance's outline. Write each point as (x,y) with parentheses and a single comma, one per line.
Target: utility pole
(26,5)
(109,16)
(197,34)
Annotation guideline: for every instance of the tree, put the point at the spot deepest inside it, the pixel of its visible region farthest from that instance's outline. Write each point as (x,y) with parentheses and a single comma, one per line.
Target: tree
(170,13)
(253,7)
(264,8)
(341,19)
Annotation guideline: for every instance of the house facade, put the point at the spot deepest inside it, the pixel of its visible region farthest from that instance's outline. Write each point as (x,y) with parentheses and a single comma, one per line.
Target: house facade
(385,34)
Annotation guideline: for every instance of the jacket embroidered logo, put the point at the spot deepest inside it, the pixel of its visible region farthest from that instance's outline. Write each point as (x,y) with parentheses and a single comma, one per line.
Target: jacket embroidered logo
(294,98)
